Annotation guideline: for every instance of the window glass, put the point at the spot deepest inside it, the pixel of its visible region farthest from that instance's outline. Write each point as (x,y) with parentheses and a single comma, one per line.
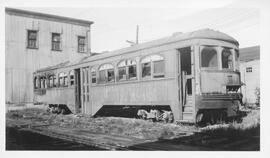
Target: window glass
(209,57)
(93,75)
(122,73)
(158,64)
(110,75)
(106,73)
(71,77)
(36,82)
(54,81)
(236,59)
(249,69)
(127,69)
(61,79)
(81,44)
(146,69)
(132,73)
(31,39)
(227,59)
(102,76)
(159,69)
(51,81)
(56,41)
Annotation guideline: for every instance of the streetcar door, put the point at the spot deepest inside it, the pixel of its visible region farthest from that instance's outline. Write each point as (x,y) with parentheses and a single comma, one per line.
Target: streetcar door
(187,83)
(85,88)
(77,90)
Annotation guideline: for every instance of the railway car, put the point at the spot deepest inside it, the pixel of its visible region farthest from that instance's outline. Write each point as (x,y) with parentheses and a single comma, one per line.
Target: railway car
(195,75)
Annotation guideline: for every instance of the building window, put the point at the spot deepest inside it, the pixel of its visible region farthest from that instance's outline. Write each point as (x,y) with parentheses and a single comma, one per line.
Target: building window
(71,77)
(249,69)
(106,73)
(32,39)
(56,41)
(127,70)
(227,59)
(81,44)
(209,57)
(93,75)
(157,63)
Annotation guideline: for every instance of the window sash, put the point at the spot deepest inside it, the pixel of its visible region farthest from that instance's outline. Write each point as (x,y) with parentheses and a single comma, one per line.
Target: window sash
(146,69)
(227,59)
(132,72)
(208,57)
(81,44)
(110,75)
(32,39)
(56,41)
(122,73)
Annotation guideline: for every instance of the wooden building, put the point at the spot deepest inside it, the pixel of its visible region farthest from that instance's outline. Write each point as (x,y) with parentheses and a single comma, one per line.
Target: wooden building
(250,73)
(36,40)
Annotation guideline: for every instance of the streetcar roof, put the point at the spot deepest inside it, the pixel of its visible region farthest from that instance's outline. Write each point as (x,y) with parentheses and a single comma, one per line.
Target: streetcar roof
(199,34)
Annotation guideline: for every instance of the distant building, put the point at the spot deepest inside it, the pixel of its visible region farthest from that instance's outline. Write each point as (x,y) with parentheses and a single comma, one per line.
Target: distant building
(250,72)
(36,40)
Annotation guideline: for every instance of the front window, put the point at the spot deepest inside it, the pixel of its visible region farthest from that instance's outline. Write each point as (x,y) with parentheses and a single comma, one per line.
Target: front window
(227,59)
(32,39)
(209,57)
(236,54)
(56,41)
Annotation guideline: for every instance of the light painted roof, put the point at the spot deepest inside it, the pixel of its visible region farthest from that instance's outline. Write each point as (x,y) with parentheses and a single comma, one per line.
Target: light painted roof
(199,34)
(249,53)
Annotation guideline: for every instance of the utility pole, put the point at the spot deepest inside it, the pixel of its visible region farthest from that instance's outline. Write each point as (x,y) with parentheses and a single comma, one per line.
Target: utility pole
(137,37)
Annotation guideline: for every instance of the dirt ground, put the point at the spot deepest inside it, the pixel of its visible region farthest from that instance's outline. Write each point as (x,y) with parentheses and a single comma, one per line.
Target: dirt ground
(134,134)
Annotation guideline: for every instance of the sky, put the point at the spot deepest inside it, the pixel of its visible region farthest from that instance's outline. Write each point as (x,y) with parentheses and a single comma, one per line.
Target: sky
(114,24)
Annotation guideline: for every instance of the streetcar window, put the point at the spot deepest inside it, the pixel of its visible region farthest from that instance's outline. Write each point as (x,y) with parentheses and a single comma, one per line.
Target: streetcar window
(93,75)
(61,79)
(209,57)
(155,61)
(36,82)
(42,81)
(227,59)
(236,59)
(146,69)
(127,70)
(54,81)
(106,73)
(110,74)
(122,73)
(102,76)
(132,72)
(65,80)
(71,77)
(51,81)
(159,69)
